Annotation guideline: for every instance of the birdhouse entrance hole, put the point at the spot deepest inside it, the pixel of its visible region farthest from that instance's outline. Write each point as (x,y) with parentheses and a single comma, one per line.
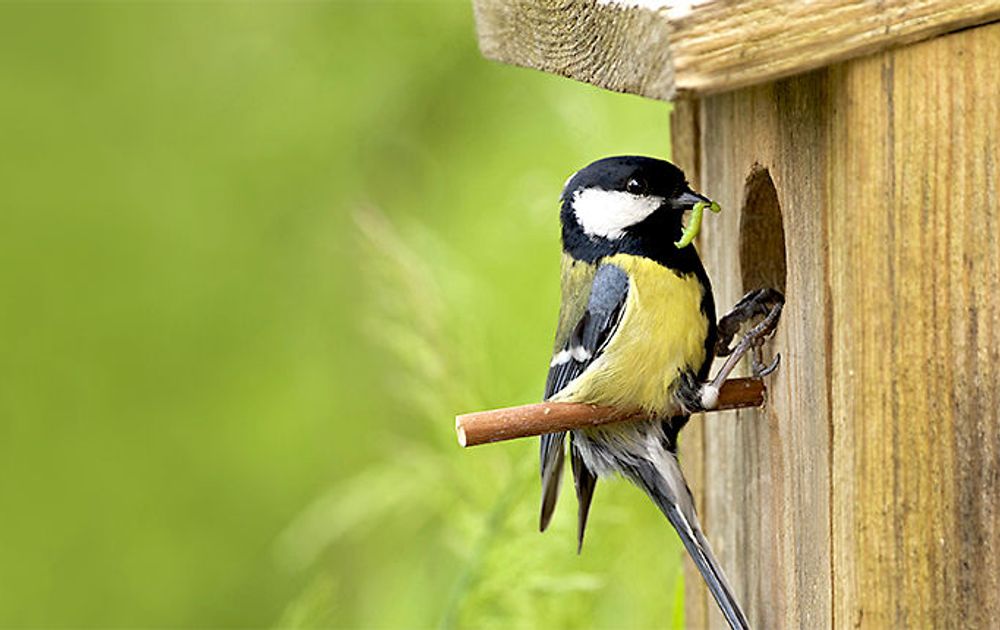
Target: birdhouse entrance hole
(762,234)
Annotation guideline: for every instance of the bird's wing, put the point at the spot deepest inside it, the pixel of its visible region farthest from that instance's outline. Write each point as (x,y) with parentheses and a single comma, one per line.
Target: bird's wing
(593,302)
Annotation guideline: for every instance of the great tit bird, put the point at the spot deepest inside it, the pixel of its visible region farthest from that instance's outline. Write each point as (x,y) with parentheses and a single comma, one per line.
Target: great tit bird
(636,328)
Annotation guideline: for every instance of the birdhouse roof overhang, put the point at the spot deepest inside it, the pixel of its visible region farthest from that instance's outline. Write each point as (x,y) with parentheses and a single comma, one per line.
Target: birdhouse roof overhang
(690,48)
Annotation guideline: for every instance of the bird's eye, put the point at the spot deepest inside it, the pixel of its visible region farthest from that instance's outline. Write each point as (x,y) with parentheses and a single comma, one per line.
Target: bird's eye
(635,186)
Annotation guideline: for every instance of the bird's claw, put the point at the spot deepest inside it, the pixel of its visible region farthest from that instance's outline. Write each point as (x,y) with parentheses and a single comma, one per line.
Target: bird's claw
(760,370)
(758,303)
(763,302)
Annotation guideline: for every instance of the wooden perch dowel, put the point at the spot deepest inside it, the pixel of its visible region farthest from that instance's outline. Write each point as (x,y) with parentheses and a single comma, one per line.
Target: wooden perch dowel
(482,427)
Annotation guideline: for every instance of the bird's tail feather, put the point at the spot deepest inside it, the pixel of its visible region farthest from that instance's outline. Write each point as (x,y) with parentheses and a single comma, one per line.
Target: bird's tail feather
(585,481)
(551,466)
(664,483)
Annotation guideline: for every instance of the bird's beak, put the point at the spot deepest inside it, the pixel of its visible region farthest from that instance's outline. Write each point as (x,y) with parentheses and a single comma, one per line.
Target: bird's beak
(687,199)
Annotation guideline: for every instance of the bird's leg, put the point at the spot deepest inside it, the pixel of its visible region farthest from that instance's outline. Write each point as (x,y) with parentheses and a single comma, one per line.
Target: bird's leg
(753,340)
(754,304)
(749,307)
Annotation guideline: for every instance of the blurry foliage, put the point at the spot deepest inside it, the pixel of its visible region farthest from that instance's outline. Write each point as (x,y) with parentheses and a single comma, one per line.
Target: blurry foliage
(253,259)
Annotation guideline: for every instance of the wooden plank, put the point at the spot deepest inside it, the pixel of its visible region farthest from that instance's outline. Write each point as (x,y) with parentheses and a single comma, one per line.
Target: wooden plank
(601,43)
(762,471)
(868,493)
(664,49)
(685,145)
(915,234)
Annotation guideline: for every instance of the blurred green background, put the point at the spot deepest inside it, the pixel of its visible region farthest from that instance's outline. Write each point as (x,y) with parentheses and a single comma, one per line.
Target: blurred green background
(253,259)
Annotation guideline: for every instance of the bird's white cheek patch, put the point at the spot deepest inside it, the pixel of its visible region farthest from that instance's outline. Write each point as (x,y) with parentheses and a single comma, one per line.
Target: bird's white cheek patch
(607,213)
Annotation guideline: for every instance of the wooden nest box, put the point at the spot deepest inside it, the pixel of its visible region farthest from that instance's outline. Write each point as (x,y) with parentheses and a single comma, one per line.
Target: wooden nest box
(854,149)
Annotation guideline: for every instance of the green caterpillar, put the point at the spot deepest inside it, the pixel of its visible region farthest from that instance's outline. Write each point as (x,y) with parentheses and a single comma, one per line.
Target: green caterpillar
(694,225)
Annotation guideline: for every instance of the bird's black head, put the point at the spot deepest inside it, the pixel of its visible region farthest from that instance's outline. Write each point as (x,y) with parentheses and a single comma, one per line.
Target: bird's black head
(626,204)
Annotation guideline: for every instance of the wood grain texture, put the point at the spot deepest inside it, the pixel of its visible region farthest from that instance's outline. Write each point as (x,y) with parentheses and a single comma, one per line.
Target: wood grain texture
(915,308)
(867,493)
(761,470)
(664,49)
(605,44)
(685,132)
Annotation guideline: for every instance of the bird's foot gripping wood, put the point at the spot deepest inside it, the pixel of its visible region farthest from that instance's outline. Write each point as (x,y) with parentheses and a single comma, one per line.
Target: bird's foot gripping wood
(764,305)
(759,303)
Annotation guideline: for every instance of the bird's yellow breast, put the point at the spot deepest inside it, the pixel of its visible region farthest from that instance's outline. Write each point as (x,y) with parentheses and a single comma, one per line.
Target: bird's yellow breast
(661,334)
